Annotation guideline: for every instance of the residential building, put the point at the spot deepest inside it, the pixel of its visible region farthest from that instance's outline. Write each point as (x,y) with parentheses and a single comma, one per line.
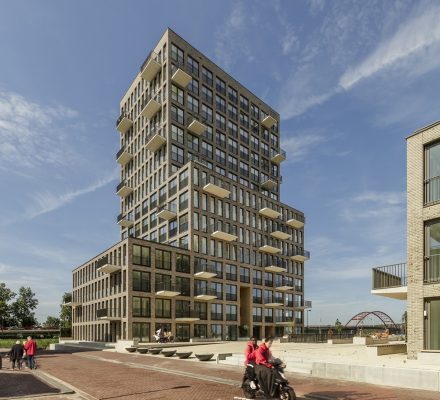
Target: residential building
(418,281)
(207,247)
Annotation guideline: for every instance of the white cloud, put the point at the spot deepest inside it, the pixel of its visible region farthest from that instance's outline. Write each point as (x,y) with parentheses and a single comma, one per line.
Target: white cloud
(298,147)
(413,36)
(31,134)
(44,203)
(388,198)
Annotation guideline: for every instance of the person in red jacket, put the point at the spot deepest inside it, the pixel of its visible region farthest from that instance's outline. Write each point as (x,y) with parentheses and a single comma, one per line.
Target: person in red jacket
(264,369)
(249,353)
(31,348)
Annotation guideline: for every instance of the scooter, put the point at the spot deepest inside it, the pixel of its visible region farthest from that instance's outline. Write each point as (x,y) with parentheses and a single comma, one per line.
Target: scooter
(251,387)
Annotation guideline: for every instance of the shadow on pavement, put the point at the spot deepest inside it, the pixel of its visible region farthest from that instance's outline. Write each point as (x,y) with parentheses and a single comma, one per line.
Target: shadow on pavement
(15,384)
(150,391)
(341,395)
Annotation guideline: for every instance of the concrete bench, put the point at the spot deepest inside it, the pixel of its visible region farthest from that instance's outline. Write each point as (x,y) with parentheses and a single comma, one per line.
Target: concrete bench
(367,340)
(340,341)
(222,356)
(384,349)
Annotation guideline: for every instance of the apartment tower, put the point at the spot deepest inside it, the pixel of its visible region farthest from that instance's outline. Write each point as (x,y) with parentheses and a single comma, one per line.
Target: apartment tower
(207,249)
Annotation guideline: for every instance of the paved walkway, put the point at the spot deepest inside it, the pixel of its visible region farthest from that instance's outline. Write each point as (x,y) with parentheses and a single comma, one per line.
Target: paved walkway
(109,375)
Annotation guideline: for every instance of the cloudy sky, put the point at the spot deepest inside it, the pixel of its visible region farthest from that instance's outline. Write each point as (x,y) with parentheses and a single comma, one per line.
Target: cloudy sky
(351,79)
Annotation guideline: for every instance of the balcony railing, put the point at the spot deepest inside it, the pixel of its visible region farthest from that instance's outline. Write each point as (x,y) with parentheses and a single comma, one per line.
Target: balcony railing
(268,246)
(204,270)
(432,269)
(223,231)
(205,292)
(299,254)
(179,75)
(168,288)
(215,186)
(187,314)
(278,155)
(167,211)
(390,276)
(108,313)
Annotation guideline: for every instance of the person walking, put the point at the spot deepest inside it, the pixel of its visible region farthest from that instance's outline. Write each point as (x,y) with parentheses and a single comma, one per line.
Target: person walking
(16,355)
(31,349)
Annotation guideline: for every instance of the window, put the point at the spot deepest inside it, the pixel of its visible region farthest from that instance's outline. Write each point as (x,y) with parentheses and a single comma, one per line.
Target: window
(177,114)
(141,331)
(232,129)
(193,142)
(201,309)
(183,285)
(177,94)
(193,87)
(183,179)
(183,223)
(172,187)
(244,120)
(232,94)
(177,154)
(177,54)
(244,103)
(182,263)
(141,307)
(218,289)
(432,173)
(220,156)
(258,277)
(231,272)
(207,76)
(200,331)
(193,66)
(220,103)
(256,314)
(232,112)
(231,293)
(183,201)
(207,149)
(206,113)
(141,281)
(172,229)
(232,146)
(216,312)
(193,104)
(163,308)
(207,95)
(220,121)
(141,255)
(231,312)
(244,275)
(163,259)
(432,252)
(220,85)
(257,296)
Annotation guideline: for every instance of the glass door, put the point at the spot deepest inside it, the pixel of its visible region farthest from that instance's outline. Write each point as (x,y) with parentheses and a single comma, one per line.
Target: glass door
(432,324)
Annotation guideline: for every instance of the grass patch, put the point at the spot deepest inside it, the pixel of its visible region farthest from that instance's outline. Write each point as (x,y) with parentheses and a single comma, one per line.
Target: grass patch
(41,343)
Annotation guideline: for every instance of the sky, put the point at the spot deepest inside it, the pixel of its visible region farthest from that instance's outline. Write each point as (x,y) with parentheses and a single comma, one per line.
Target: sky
(351,79)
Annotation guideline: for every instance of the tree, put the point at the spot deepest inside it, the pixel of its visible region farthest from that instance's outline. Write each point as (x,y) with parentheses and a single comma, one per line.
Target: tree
(66,311)
(6,295)
(338,326)
(23,307)
(52,322)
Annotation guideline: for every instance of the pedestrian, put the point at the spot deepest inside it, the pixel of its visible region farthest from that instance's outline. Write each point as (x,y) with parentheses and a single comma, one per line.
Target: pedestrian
(24,358)
(31,349)
(16,355)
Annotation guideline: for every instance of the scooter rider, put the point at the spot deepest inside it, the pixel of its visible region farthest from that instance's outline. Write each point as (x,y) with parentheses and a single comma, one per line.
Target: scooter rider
(249,360)
(264,369)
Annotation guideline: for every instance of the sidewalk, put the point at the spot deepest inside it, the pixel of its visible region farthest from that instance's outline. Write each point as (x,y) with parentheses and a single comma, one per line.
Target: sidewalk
(110,375)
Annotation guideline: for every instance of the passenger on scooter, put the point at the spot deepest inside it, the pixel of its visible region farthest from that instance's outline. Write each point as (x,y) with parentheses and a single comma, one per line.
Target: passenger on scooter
(250,350)
(264,369)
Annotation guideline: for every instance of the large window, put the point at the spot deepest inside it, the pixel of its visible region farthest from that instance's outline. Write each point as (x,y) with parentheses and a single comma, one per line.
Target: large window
(141,255)
(141,281)
(141,331)
(182,263)
(432,251)
(432,173)
(141,307)
(163,308)
(163,259)
(231,312)
(216,312)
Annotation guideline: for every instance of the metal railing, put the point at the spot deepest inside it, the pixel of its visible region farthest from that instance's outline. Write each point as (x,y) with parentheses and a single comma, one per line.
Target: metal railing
(204,267)
(108,312)
(296,217)
(318,337)
(121,185)
(276,262)
(268,242)
(223,227)
(121,117)
(273,153)
(431,273)
(299,252)
(187,314)
(122,216)
(171,207)
(151,56)
(215,181)
(389,276)
(168,286)
(204,291)
(432,189)
(156,129)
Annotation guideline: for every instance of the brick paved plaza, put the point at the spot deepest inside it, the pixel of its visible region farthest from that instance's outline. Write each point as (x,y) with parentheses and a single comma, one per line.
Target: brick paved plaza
(107,375)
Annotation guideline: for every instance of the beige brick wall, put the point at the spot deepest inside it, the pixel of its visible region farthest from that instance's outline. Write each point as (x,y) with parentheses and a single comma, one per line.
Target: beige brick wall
(416,217)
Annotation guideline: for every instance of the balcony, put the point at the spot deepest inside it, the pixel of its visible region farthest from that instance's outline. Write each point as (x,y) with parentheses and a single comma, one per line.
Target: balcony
(151,105)
(268,246)
(123,123)
(72,304)
(167,289)
(269,212)
(216,187)
(299,255)
(296,222)
(187,316)
(167,211)
(155,139)
(272,302)
(223,231)
(268,184)
(179,76)
(285,320)
(196,125)
(280,231)
(285,286)
(277,156)
(150,67)
(125,221)
(205,293)
(275,266)
(123,189)
(123,156)
(204,270)
(105,267)
(108,314)
(268,121)
(390,281)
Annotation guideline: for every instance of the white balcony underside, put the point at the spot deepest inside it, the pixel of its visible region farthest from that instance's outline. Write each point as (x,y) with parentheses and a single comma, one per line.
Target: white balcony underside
(197,127)
(183,319)
(72,304)
(224,236)
(269,249)
(398,293)
(294,223)
(278,158)
(285,288)
(125,223)
(167,293)
(273,304)
(109,318)
(151,108)
(205,297)
(216,190)
(274,268)
(280,235)
(150,70)
(269,212)
(124,158)
(181,78)
(109,268)
(124,125)
(166,214)
(124,191)
(299,258)
(268,122)
(155,143)
(205,275)
(269,184)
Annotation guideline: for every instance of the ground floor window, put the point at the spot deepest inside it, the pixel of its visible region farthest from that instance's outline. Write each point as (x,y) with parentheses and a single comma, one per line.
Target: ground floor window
(432,323)
(164,326)
(141,331)
(232,332)
(217,331)
(182,332)
(200,331)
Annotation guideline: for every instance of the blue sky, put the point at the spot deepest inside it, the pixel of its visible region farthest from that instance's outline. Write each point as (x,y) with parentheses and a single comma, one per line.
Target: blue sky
(351,79)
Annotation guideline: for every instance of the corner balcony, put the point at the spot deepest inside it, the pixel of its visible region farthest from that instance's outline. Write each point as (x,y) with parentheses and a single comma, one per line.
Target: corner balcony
(123,156)
(123,189)
(167,211)
(150,67)
(196,125)
(299,255)
(105,267)
(269,212)
(72,304)
(277,156)
(187,316)
(281,232)
(268,246)
(179,76)
(223,231)
(155,139)
(125,221)
(204,270)
(273,302)
(205,293)
(108,314)
(390,281)
(123,123)
(216,187)
(167,289)
(297,221)
(151,105)
(268,121)
(268,184)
